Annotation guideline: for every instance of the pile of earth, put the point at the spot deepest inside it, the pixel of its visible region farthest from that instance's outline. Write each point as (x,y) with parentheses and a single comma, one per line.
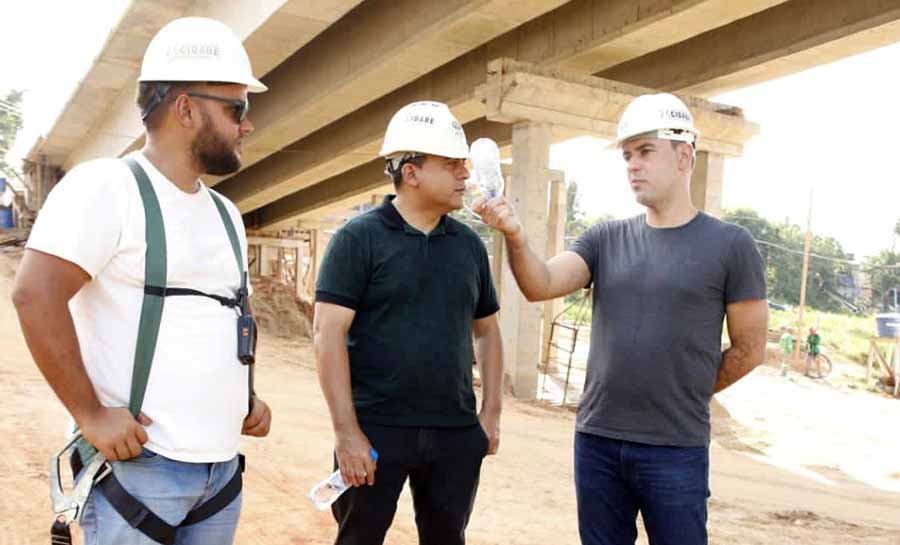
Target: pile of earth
(279,311)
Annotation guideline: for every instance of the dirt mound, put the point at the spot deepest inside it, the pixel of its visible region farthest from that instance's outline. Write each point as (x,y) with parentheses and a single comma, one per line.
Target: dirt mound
(279,311)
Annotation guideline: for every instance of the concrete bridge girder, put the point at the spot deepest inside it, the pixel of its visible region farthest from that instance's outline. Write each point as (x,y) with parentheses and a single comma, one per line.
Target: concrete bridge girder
(271,29)
(375,49)
(355,139)
(574,102)
(517,91)
(593,32)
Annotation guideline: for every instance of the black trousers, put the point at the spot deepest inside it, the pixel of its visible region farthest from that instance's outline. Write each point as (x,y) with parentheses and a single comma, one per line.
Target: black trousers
(443,466)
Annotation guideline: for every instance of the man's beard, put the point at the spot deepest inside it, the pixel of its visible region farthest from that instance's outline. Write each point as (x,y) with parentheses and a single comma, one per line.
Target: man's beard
(212,153)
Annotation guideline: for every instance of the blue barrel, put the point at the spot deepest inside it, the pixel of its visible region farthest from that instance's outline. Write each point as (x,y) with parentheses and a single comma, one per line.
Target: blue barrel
(6,217)
(888,324)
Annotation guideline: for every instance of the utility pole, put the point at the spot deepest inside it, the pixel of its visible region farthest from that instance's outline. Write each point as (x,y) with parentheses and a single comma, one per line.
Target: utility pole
(805,273)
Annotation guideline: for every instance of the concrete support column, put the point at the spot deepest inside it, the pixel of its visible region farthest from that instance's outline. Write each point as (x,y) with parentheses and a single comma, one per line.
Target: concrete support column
(268,259)
(309,258)
(706,183)
(321,244)
(521,320)
(556,235)
(300,287)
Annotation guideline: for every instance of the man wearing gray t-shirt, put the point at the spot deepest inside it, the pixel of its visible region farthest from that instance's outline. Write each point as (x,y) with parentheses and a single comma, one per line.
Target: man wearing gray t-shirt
(663,283)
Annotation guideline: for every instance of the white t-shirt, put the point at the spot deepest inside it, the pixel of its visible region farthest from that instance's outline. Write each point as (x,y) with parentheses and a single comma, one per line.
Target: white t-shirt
(197,390)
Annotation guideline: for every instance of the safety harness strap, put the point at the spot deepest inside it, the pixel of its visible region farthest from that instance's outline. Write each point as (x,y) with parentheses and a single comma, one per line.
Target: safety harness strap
(142,519)
(148,523)
(159,291)
(155,265)
(136,513)
(221,500)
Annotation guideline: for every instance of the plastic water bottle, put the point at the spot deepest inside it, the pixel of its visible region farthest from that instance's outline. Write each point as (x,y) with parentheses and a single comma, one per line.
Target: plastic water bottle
(486,165)
(330,489)
(486,179)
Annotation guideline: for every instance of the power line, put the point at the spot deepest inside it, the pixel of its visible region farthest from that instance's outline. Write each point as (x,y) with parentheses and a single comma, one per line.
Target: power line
(800,252)
(829,258)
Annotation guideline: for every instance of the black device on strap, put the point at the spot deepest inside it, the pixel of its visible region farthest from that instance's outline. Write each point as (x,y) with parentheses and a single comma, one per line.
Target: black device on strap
(246,329)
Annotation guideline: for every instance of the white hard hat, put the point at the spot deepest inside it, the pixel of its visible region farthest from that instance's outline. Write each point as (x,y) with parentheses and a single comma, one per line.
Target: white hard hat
(663,114)
(425,127)
(198,49)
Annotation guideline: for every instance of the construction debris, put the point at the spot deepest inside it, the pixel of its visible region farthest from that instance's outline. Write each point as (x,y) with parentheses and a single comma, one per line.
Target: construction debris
(13,237)
(279,311)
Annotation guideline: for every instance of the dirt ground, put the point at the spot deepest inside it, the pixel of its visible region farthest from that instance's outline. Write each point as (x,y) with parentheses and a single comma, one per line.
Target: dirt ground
(793,460)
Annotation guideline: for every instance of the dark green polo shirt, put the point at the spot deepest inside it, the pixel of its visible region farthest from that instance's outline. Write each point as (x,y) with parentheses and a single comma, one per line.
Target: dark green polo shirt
(415,297)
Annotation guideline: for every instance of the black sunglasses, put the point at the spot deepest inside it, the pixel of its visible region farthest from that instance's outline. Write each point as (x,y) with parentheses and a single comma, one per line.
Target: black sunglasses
(239,108)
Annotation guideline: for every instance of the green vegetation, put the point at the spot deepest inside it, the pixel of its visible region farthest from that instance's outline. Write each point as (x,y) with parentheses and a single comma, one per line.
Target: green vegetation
(781,246)
(844,337)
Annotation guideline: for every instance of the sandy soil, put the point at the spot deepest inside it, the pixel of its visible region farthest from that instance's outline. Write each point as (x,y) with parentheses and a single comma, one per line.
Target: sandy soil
(794,460)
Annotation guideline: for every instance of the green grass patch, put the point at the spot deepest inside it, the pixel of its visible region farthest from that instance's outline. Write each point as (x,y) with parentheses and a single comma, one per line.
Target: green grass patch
(844,336)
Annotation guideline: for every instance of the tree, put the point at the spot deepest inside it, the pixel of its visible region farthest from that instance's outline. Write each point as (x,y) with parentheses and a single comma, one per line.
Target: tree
(10,123)
(574,213)
(577,222)
(884,274)
(781,246)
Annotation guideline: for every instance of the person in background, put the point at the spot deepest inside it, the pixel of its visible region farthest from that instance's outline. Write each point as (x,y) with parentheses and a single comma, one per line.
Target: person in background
(786,342)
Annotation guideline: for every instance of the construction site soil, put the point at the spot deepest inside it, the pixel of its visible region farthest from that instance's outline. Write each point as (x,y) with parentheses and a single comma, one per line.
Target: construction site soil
(793,460)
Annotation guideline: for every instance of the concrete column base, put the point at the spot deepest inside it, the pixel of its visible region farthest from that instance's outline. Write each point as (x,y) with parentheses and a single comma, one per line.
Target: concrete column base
(520,321)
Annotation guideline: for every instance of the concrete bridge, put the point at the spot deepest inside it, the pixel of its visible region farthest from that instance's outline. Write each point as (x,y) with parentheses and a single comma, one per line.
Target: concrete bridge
(526,73)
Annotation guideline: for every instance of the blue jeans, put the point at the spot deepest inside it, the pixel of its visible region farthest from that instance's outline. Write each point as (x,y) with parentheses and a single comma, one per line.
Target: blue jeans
(170,489)
(614,480)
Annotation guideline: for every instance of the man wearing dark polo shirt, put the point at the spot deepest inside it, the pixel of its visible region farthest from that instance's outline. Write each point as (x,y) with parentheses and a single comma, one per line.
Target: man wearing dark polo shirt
(401,292)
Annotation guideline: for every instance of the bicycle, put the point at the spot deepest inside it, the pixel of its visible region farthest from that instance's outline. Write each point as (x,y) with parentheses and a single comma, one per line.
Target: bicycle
(817,365)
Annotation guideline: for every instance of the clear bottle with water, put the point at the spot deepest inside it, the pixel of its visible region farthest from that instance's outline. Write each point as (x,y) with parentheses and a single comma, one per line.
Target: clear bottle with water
(330,489)
(486,179)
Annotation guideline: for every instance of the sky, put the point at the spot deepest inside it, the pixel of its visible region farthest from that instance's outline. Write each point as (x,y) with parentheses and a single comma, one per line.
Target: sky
(832,129)
(47,56)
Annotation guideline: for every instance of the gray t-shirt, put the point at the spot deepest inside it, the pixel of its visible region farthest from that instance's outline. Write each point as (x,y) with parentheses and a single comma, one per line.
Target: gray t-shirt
(659,305)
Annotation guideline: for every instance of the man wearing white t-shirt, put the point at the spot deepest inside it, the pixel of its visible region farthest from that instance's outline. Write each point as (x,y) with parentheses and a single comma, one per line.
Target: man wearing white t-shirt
(80,287)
